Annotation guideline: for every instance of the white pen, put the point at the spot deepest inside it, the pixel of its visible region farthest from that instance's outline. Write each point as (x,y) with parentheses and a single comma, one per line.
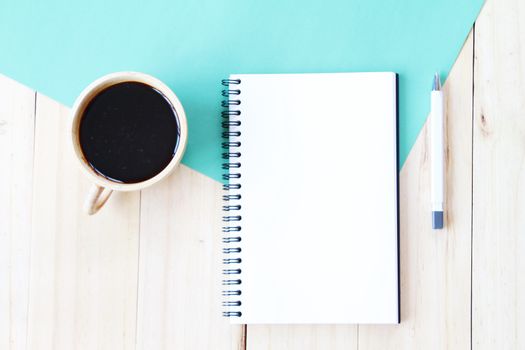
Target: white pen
(437,153)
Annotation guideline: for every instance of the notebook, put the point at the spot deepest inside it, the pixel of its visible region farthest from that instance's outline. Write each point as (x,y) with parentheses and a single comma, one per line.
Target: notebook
(311,198)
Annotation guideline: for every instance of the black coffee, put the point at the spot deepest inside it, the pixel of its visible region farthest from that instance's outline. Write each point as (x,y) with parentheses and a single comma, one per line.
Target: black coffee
(129,132)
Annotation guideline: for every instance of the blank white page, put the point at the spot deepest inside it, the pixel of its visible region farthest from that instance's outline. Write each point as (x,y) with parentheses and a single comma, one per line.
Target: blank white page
(319,198)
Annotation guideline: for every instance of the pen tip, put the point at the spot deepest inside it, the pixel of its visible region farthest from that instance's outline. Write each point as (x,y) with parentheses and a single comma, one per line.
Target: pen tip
(436,86)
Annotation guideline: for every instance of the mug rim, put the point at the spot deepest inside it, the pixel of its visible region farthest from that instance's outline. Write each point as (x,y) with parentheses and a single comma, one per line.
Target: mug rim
(93,90)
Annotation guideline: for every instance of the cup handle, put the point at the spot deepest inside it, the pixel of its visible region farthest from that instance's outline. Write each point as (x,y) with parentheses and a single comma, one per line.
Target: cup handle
(96,198)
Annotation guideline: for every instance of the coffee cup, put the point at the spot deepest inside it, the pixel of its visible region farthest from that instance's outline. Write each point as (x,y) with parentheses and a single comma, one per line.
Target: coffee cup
(128,132)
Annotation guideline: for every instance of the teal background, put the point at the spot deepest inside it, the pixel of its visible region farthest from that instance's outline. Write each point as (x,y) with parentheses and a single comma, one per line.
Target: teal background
(58,47)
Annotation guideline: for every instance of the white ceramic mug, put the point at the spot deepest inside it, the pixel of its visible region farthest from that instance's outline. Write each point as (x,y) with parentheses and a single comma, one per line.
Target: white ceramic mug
(103,187)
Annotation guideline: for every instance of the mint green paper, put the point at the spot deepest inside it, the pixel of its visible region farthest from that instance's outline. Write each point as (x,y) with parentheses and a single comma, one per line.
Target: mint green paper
(58,47)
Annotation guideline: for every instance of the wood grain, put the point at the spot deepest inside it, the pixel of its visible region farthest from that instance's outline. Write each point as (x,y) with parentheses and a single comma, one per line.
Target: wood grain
(17,107)
(314,337)
(498,295)
(435,265)
(84,271)
(83,286)
(180,266)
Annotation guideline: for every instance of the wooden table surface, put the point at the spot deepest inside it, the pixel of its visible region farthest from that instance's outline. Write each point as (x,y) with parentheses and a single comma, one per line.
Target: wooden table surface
(145,273)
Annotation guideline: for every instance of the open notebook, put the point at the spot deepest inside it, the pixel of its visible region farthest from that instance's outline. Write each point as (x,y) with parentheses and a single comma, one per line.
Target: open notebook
(311,203)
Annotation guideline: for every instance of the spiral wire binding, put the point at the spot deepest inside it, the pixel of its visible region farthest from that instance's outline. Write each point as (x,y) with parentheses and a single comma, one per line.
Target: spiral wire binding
(232,221)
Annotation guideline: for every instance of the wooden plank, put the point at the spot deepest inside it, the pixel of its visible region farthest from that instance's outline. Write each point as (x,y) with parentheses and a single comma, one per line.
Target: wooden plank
(83,269)
(289,337)
(498,279)
(17,106)
(179,305)
(435,265)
